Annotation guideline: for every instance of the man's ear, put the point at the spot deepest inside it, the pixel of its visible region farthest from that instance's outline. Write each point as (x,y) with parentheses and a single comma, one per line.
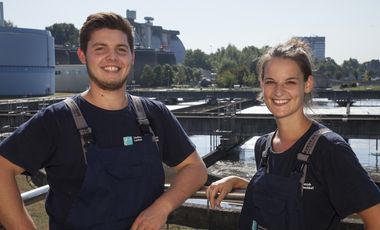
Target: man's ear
(81,56)
(309,84)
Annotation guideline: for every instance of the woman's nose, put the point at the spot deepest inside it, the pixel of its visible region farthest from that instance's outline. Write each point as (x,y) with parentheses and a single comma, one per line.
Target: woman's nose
(278,89)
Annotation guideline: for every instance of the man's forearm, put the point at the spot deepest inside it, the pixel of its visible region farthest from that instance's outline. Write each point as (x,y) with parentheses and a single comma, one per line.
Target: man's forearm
(187,181)
(13,214)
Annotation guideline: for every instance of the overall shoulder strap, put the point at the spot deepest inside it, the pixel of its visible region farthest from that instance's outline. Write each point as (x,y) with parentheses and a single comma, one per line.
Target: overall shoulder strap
(142,119)
(141,116)
(307,150)
(81,124)
(264,155)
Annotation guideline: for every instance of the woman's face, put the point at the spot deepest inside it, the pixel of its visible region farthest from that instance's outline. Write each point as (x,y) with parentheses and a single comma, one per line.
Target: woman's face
(284,88)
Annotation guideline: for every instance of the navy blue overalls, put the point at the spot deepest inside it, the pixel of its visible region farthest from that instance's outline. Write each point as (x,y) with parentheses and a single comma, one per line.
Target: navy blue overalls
(119,182)
(274,202)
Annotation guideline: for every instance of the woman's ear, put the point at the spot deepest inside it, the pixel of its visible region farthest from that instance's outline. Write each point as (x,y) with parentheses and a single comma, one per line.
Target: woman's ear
(309,84)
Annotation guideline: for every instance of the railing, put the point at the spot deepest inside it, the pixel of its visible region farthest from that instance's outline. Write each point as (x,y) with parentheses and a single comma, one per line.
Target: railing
(35,195)
(39,194)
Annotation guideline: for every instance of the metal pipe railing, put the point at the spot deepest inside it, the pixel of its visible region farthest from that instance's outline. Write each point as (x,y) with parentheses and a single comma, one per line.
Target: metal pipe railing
(38,194)
(35,195)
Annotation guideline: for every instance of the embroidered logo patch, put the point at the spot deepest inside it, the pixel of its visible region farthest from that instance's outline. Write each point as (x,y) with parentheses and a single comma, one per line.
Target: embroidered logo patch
(308,186)
(127,140)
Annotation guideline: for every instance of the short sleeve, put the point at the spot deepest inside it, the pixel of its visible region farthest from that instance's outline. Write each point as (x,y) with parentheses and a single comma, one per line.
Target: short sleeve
(31,145)
(348,184)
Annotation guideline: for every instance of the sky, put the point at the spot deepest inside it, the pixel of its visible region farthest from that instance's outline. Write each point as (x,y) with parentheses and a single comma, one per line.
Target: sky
(351,27)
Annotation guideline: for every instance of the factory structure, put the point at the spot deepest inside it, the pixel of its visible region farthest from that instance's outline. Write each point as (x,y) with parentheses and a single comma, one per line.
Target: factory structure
(31,65)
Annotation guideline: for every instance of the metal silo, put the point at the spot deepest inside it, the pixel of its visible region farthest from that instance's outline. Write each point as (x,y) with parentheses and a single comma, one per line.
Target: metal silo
(26,62)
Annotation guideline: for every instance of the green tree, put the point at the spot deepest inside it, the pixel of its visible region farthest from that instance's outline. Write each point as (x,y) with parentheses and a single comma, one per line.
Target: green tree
(250,80)
(371,69)
(351,68)
(147,76)
(158,75)
(227,64)
(249,58)
(64,34)
(328,68)
(241,72)
(196,76)
(168,75)
(197,59)
(180,75)
(226,79)
(241,64)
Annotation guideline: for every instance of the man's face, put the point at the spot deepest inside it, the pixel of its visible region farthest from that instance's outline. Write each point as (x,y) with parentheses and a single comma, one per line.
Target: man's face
(108,59)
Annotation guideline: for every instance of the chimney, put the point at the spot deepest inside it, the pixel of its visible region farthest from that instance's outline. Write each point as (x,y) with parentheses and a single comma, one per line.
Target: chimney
(148,30)
(2,23)
(131,15)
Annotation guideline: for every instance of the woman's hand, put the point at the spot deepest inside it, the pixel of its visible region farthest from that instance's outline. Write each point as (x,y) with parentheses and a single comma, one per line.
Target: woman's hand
(219,189)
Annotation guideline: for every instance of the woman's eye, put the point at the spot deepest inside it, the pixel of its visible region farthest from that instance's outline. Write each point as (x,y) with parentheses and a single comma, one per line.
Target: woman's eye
(122,51)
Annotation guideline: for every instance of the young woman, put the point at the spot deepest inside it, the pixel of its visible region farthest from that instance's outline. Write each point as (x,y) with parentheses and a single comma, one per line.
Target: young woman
(298,187)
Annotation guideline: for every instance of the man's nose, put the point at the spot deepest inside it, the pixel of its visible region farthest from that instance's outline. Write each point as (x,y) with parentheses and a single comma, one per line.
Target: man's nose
(112,55)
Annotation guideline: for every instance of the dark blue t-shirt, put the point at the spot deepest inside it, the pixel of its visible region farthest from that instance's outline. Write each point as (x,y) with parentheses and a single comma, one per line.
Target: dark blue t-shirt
(51,140)
(336,184)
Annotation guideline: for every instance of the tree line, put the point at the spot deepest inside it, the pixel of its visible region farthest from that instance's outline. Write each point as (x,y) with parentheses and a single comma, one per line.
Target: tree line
(229,65)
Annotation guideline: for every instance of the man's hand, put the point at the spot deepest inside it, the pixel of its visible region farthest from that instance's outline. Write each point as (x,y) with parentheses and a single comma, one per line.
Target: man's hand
(191,175)
(152,218)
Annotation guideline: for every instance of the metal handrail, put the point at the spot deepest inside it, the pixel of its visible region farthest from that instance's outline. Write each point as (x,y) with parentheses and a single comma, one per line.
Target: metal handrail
(39,194)
(35,195)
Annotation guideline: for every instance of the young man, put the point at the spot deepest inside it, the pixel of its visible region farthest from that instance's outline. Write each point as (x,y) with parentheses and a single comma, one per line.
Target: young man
(115,180)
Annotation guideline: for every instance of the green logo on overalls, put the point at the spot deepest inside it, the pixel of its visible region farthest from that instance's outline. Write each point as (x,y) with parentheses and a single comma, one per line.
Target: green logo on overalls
(254,225)
(128,141)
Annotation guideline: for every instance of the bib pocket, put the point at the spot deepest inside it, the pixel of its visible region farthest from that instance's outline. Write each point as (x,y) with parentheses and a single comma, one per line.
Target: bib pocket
(269,211)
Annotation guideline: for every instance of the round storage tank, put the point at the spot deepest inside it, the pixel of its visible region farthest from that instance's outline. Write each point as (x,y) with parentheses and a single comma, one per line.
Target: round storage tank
(26,62)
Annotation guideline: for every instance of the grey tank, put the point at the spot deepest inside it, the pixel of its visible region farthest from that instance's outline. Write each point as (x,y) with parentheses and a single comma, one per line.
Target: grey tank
(27,62)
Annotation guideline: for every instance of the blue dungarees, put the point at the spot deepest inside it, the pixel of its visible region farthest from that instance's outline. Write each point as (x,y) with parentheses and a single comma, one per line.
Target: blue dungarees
(119,183)
(272,201)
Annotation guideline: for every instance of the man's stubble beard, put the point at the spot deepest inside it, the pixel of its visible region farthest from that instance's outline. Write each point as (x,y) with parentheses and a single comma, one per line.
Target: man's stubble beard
(109,86)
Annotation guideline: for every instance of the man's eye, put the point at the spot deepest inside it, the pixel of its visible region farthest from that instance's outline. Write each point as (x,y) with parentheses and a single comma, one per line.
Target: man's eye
(122,51)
